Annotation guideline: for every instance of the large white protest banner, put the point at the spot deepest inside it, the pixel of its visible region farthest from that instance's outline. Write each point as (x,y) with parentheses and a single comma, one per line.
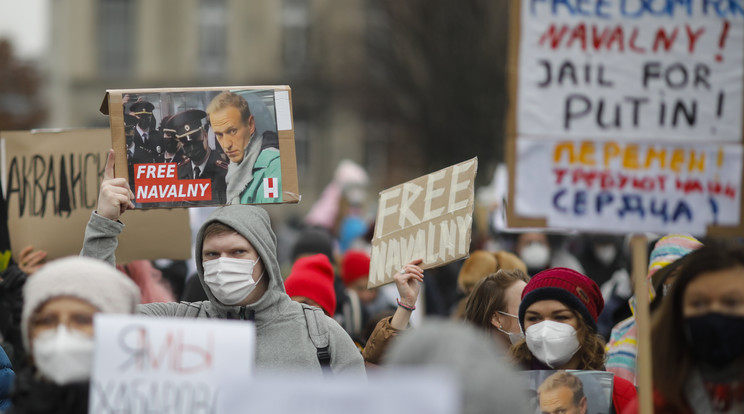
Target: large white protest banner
(660,70)
(427,218)
(166,365)
(644,95)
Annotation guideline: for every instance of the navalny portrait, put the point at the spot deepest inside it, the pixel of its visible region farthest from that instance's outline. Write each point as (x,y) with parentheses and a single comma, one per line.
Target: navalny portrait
(247,134)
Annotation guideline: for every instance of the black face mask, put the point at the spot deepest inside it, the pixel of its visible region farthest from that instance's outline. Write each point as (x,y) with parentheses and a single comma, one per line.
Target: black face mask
(195,150)
(170,145)
(144,122)
(715,338)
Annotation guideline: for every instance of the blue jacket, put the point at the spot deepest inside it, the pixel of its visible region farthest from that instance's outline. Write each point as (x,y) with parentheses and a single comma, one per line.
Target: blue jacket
(7,379)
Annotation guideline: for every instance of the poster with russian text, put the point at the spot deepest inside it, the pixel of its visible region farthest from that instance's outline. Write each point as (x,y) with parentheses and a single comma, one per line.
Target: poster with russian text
(166,365)
(428,218)
(627,116)
(617,186)
(51,180)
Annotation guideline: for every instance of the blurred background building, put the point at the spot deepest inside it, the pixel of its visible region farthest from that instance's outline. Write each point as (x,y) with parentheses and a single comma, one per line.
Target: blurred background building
(401,88)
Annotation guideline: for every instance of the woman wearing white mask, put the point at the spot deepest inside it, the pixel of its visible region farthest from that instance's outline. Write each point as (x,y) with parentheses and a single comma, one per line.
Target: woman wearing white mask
(494,303)
(559,313)
(57,325)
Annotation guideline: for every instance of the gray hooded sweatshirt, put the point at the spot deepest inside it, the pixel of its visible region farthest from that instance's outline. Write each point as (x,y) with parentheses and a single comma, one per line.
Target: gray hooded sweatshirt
(282,339)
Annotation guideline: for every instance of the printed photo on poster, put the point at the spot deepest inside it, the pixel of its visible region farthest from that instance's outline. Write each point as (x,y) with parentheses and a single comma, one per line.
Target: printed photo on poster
(206,147)
(570,392)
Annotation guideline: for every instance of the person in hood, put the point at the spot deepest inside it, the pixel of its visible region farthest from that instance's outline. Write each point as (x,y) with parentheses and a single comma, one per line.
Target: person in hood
(236,264)
(558,315)
(57,327)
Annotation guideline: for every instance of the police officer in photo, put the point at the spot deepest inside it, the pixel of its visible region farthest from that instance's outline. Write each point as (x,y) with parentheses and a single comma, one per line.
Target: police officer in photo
(201,161)
(172,149)
(136,153)
(145,134)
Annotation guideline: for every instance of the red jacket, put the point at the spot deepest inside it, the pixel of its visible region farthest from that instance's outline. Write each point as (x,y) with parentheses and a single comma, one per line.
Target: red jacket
(624,395)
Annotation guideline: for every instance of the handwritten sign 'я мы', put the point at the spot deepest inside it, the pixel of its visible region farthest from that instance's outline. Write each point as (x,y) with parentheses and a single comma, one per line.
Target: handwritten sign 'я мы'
(151,365)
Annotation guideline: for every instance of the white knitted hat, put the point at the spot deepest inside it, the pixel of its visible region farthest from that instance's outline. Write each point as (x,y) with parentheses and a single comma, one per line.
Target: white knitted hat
(91,280)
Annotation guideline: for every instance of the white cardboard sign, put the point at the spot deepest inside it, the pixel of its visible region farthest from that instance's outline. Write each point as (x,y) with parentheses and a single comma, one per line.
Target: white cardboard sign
(617,186)
(166,365)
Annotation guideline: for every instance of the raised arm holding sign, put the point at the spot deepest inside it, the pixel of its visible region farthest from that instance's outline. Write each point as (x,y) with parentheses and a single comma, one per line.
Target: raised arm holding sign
(429,217)
(238,269)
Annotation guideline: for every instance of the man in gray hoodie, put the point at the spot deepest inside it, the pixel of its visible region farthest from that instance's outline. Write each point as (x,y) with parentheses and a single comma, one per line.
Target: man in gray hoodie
(238,268)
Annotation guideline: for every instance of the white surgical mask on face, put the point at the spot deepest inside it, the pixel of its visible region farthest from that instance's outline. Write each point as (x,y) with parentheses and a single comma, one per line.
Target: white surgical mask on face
(230,280)
(553,343)
(513,337)
(535,255)
(64,355)
(605,253)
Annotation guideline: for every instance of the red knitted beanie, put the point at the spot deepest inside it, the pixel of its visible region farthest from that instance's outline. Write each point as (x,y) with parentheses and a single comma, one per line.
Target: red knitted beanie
(354,265)
(312,277)
(567,286)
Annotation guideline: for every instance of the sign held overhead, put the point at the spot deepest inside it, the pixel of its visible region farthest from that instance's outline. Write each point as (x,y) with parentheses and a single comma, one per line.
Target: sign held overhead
(427,218)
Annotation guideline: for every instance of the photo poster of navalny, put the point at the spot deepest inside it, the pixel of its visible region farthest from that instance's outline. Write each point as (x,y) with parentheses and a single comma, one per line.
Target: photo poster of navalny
(569,391)
(204,146)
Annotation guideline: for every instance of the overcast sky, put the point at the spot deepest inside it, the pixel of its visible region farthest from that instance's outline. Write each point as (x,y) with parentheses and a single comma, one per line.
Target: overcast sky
(26,23)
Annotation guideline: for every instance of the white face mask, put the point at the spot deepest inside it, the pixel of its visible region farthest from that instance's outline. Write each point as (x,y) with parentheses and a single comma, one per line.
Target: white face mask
(230,280)
(64,355)
(536,255)
(553,343)
(513,337)
(605,253)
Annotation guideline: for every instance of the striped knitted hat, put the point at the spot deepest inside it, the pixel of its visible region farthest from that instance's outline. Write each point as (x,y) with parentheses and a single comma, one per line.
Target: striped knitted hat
(669,249)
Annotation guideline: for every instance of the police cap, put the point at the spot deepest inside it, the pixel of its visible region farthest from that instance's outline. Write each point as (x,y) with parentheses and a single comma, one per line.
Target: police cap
(188,123)
(167,124)
(141,107)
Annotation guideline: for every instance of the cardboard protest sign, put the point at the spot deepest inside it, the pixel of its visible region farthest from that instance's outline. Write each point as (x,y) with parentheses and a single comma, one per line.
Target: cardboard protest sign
(571,391)
(428,218)
(51,181)
(631,110)
(166,365)
(205,146)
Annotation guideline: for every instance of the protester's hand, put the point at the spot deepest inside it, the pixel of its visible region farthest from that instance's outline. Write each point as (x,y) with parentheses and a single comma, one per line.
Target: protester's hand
(115,197)
(30,261)
(408,281)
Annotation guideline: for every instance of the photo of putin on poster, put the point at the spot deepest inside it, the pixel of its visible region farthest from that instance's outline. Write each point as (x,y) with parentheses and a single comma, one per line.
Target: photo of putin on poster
(570,392)
(197,147)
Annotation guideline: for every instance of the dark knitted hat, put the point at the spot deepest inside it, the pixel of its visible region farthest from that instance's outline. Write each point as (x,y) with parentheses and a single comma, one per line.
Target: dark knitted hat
(311,241)
(567,286)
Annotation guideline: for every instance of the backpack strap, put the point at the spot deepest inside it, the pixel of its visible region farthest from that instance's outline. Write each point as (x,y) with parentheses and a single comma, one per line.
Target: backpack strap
(188,309)
(317,328)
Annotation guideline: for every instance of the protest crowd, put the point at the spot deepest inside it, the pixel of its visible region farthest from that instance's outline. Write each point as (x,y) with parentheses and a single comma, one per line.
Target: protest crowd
(600,272)
(507,307)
